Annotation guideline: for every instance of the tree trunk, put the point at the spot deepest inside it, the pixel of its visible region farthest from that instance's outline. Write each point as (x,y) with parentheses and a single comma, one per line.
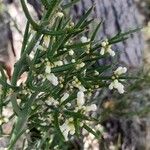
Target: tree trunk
(117,15)
(7,52)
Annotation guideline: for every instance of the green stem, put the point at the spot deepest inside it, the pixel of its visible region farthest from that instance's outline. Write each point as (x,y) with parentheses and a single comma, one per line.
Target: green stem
(25,39)
(21,121)
(27,14)
(19,64)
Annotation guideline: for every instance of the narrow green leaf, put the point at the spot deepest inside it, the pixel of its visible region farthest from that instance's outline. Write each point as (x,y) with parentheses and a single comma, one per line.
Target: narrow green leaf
(70,4)
(76,115)
(71,98)
(91,131)
(13,99)
(77,126)
(62,68)
(76,45)
(45,3)
(122,36)
(86,24)
(52,7)
(96,30)
(83,18)
(56,125)
(25,9)
(25,38)
(21,121)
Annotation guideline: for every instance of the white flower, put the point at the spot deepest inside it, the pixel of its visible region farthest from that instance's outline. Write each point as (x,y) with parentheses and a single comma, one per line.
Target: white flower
(100,128)
(120,70)
(43,123)
(80,98)
(65,61)
(81,65)
(68,104)
(59,14)
(82,88)
(58,63)
(106,48)
(104,43)
(71,52)
(96,72)
(72,24)
(111,52)
(52,78)
(73,60)
(67,127)
(46,42)
(84,39)
(102,52)
(117,85)
(65,96)
(92,107)
(48,69)
(51,101)
(120,89)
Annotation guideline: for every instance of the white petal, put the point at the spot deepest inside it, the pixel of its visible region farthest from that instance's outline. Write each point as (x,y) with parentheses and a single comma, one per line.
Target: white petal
(120,70)
(63,127)
(60,14)
(104,43)
(82,64)
(116,83)
(80,98)
(111,86)
(84,39)
(120,88)
(72,132)
(82,88)
(71,52)
(48,69)
(58,63)
(102,52)
(124,70)
(53,79)
(66,95)
(65,134)
(92,107)
(112,53)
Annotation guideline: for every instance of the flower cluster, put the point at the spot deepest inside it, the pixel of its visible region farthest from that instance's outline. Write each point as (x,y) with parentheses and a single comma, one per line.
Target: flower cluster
(115,84)
(84,39)
(51,101)
(106,48)
(61,75)
(59,14)
(50,76)
(76,83)
(67,128)
(80,65)
(81,104)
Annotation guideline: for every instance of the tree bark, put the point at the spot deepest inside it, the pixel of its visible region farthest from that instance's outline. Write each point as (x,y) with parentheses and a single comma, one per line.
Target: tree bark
(7,52)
